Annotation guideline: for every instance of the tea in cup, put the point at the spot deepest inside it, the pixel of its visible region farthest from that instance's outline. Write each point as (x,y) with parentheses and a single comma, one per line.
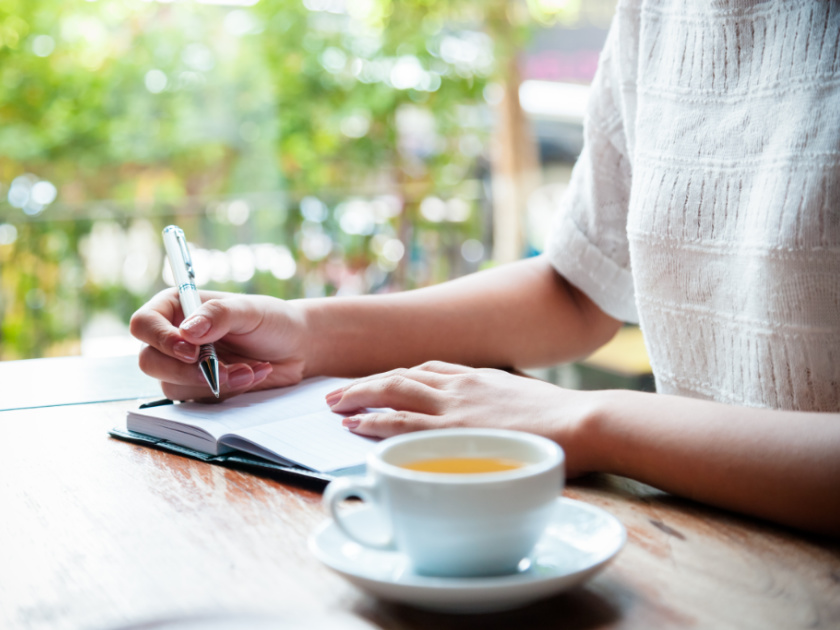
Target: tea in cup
(457,502)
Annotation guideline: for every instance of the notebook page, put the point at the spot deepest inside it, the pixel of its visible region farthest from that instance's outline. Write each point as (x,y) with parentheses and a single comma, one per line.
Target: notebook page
(316,441)
(248,410)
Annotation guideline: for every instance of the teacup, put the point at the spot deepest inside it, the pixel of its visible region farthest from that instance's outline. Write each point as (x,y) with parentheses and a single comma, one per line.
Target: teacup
(456,522)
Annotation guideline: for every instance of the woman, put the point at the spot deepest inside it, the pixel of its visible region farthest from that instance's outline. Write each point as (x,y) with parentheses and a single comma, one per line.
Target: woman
(705,206)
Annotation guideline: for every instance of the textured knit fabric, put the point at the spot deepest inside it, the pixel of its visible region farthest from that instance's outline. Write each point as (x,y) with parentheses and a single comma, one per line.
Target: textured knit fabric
(706,203)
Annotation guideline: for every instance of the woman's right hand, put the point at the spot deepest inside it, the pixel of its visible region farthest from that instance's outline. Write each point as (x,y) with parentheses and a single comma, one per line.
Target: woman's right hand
(259,341)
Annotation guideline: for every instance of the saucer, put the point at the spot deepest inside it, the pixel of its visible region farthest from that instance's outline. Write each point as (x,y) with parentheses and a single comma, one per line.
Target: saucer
(578,542)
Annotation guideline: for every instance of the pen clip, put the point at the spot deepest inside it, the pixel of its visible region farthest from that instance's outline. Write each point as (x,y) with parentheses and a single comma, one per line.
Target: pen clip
(185,252)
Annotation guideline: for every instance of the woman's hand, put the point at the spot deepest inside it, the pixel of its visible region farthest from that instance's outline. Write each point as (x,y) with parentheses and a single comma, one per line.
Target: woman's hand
(258,339)
(437,395)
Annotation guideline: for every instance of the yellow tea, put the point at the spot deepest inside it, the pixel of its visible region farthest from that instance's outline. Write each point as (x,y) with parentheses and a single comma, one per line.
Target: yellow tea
(466,465)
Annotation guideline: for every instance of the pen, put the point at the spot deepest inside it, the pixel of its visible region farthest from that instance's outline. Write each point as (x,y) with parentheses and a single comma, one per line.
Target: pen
(182,269)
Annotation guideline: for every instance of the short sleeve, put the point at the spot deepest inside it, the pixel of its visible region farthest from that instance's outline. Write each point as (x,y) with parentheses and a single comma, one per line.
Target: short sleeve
(588,242)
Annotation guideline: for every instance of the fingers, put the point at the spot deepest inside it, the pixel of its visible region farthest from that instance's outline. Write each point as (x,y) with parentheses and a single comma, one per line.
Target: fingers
(419,398)
(416,389)
(429,373)
(442,367)
(399,390)
(386,424)
(184,381)
(233,380)
(160,324)
(428,378)
(155,324)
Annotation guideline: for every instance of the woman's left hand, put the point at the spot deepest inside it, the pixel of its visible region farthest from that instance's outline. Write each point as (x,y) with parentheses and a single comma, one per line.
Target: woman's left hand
(437,395)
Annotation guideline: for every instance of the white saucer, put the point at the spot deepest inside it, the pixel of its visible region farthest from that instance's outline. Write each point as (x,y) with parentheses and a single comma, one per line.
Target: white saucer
(579,541)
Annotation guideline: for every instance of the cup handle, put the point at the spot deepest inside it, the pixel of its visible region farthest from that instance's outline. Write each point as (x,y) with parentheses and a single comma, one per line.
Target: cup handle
(366,489)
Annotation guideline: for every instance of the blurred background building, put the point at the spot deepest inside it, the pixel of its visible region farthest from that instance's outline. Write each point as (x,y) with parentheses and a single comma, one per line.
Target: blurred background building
(307,148)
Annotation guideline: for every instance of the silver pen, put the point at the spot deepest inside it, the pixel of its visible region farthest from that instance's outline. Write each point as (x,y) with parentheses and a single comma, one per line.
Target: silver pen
(182,269)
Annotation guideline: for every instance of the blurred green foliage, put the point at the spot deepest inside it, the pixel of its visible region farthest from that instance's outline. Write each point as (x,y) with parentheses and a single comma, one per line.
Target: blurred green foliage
(118,117)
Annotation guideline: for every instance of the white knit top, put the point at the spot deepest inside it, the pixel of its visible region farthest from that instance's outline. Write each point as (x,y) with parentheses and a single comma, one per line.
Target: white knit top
(706,202)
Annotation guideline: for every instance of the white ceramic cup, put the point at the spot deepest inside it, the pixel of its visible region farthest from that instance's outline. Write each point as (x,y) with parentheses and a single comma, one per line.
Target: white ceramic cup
(455,524)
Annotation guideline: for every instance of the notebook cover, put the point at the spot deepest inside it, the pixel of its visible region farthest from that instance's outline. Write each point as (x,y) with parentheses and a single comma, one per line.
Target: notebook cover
(236,460)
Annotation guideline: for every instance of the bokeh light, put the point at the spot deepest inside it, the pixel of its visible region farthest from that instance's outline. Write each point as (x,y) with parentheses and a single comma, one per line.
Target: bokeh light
(8,233)
(393,250)
(355,216)
(472,250)
(156,81)
(238,212)
(43,45)
(433,209)
(31,194)
(313,209)
(241,22)
(315,245)
(356,125)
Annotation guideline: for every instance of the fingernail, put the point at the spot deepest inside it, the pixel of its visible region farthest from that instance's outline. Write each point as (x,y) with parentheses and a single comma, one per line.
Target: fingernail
(261,371)
(185,351)
(240,377)
(196,326)
(351,423)
(334,397)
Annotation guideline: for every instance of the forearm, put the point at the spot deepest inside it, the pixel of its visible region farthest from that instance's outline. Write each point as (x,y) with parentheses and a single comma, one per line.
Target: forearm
(521,314)
(779,465)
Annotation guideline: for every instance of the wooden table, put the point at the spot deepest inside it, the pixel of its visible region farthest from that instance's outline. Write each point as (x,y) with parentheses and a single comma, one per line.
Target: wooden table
(99,533)
(72,381)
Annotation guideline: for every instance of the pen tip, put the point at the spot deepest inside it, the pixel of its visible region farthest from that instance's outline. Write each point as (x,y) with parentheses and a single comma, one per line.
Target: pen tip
(210,369)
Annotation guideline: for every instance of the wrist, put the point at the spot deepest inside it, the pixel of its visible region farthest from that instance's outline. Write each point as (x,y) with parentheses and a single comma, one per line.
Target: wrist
(601,428)
(313,334)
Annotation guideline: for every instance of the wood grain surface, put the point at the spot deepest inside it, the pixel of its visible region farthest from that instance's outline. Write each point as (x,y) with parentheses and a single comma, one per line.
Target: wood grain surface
(99,533)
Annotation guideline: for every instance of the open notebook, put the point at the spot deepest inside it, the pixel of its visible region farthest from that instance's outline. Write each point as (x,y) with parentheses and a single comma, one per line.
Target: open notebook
(290,426)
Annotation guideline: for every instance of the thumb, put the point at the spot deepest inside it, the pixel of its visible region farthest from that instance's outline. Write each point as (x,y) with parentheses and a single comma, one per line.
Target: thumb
(216,318)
